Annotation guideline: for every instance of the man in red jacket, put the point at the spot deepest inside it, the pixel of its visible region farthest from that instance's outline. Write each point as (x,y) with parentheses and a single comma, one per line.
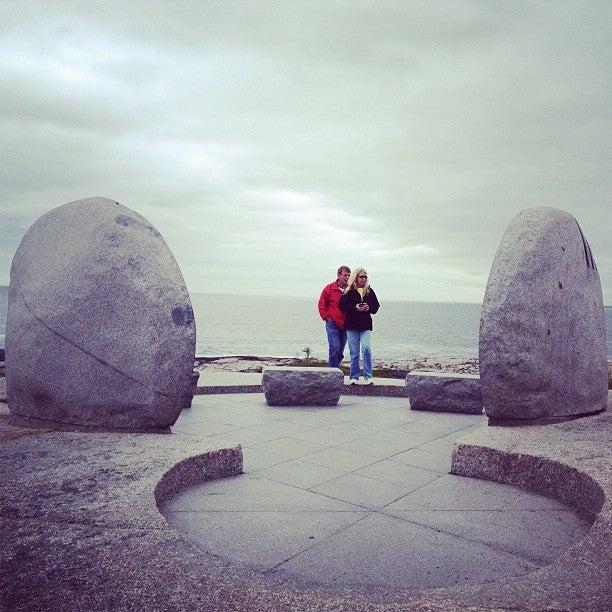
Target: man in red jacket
(334,318)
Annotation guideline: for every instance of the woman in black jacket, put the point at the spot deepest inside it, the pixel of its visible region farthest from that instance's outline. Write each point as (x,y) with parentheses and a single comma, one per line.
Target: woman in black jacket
(359,303)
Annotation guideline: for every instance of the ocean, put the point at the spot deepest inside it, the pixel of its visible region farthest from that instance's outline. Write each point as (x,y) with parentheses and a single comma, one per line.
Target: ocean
(285,327)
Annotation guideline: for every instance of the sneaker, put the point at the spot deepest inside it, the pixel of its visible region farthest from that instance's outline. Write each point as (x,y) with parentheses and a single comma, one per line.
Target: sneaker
(353,381)
(368,381)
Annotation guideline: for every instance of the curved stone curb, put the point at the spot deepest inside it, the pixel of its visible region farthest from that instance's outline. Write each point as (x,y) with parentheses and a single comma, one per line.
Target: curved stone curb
(571,462)
(77,507)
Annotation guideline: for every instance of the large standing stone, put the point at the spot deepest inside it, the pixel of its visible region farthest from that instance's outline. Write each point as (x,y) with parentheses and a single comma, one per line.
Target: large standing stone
(100,328)
(542,330)
(444,392)
(285,386)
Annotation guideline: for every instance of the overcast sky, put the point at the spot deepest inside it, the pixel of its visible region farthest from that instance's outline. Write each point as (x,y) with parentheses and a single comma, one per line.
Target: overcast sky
(270,142)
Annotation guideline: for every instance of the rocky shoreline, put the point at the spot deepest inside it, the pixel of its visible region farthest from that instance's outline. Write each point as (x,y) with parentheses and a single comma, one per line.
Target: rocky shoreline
(384,369)
(390,369)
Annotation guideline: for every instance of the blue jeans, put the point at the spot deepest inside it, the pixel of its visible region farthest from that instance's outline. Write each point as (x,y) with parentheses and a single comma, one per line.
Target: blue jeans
(355,338)
(336,338)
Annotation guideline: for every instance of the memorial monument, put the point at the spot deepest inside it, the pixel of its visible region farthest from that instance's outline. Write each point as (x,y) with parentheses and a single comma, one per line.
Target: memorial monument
(542,328)
(100,329)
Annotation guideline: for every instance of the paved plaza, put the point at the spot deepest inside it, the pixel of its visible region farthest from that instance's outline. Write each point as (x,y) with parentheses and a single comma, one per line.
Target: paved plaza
(359,496)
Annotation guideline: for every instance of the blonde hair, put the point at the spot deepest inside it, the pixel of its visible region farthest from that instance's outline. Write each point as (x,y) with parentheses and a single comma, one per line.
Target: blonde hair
(353,279)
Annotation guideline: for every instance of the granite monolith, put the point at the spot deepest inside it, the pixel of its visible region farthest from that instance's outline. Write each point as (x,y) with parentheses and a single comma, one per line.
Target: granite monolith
(100,329)
(542,328)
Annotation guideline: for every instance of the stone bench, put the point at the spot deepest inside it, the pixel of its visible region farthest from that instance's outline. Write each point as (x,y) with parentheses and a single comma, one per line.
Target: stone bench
(444,392)
(286,386)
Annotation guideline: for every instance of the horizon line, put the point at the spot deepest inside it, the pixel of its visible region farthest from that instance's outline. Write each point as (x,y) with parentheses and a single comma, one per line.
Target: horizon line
(302,297)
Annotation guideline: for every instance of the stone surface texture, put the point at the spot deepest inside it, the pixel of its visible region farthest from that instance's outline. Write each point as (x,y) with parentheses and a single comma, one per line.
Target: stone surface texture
(100,328)
(444,392)
(542,329)
(81,529)
(188,398)
(286,386)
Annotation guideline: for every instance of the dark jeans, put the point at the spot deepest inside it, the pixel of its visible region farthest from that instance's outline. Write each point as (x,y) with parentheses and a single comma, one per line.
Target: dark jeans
(336,338)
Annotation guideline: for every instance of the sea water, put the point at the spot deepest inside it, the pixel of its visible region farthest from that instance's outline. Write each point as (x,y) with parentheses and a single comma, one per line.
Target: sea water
(288,327)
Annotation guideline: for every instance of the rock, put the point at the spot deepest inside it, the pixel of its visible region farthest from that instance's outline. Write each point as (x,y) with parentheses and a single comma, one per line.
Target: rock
(542,329)
(444,392)
(286,386)
(100,328)
(188,398)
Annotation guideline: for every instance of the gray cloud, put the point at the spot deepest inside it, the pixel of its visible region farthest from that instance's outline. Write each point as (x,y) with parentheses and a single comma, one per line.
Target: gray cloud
(270,142)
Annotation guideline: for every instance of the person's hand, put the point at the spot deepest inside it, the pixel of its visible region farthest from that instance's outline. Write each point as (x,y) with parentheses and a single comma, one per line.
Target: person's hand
(364,307)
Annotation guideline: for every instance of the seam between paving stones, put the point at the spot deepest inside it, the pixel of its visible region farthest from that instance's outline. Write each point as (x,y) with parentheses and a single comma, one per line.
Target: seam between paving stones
(341,476)
(493,545)
(388,458)
(499,548)
(408,465)
(324,539)
(85,352)
(321,494)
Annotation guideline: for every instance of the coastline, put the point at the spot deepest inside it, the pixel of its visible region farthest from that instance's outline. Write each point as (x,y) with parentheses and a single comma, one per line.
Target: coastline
(383,369)
(252,364)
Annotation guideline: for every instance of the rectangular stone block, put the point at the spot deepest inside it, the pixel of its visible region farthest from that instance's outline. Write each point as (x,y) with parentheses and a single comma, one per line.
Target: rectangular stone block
(286,386)
(444,392)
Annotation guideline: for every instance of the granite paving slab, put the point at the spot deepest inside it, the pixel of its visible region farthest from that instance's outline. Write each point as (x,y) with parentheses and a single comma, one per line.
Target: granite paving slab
(245,494)
(337,457)
(298,473)
(424,459)
(409,477)
(262,539)
(328,436)
(359,490)
(382,447)
(204,428)
(291,448)
(381,550)
(537,535)
(450,492)
(254,460)
(444,445)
